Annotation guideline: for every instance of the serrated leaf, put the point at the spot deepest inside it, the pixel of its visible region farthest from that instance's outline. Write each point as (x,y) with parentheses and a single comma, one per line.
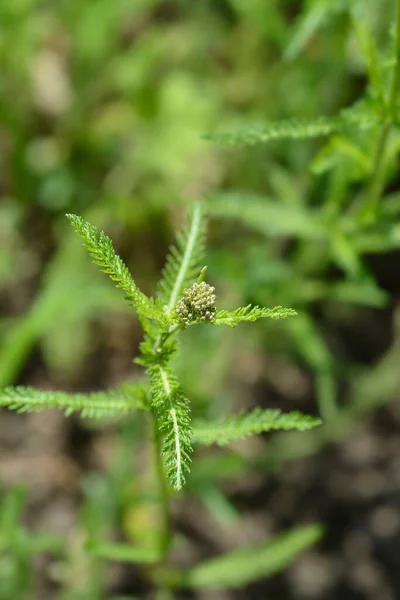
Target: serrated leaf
(184,260)
(359,116)
(236,427)
(172,412)
(94,405)
(251,313)
(100,247)
(278,130)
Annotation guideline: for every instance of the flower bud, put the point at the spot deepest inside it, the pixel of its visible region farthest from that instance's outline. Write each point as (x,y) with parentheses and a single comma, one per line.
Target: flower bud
(198,302)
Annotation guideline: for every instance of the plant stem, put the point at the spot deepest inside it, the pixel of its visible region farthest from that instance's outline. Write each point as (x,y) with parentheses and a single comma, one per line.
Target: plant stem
(165,531)
(396,75)
(377,180)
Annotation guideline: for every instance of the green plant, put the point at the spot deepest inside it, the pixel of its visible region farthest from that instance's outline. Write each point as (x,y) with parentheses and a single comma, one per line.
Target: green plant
(305,218)
(180,302)
(321,229)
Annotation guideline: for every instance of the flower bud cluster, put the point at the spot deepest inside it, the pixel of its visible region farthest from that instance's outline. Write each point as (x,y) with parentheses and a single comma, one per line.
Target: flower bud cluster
(198,302)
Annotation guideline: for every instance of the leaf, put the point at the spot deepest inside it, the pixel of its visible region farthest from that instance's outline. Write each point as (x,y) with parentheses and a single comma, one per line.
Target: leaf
(10,515)
(123,553)
(184,260)
(364,293)
(313,17)
(278,130)
(363,114)
(67,295)
(101,250)
(240,567)
(340,150)
(309,342)
(94,405)
(236,427)
(251,313)
(267,216)
(369,50)
(291,129)
(173,417)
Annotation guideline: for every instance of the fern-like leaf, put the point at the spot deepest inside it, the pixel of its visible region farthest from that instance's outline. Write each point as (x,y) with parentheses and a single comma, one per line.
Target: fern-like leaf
(100,248)
(184,260)
(95,405)
(251,313)
(172,412)
(293,129)
(235,427)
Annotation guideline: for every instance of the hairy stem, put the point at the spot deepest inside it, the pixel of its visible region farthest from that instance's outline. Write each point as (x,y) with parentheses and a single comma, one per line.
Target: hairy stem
(377,180)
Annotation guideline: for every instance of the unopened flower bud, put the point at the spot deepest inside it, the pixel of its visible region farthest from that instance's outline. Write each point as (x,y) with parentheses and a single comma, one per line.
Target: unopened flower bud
(198,302)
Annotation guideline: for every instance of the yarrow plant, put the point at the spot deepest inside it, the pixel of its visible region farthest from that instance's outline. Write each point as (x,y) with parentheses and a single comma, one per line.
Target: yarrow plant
(183,299)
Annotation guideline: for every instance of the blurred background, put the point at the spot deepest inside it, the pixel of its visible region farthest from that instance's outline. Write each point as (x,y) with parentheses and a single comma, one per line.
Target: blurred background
(105,109)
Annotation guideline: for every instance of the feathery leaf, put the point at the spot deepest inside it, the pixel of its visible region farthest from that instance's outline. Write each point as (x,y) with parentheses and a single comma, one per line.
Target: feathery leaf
(94,405)
(101,250)
(172,412)
(251,313)
(184,260)
(235,427)
(293,129)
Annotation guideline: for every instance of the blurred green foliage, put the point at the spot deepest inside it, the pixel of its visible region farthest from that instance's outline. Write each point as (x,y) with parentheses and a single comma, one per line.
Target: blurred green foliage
(107,110)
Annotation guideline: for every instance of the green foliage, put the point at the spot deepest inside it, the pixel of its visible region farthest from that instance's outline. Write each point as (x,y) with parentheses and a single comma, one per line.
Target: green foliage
(314,15)
(267,216)
(18,547)
(95,405)
(171,409)
(243,566)
(294,224)
(101,250)
(251,313)
(68,298)
(184,260)
(236,427)
(296,128)
(334,217)
(123,553)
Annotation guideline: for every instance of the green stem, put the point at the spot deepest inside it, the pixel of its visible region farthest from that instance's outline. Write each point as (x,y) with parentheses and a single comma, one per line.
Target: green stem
(326,395)
(396,75)
(377,180)
(336,193)
(165,532)
(162,337)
